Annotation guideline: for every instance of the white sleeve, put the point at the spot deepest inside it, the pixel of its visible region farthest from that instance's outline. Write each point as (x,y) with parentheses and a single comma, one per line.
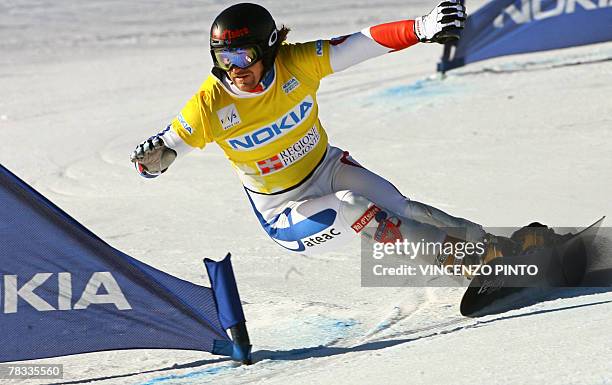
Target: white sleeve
(352,49)
(175,142)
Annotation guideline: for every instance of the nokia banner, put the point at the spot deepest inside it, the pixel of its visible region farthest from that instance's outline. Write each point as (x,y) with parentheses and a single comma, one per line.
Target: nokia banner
(506,27)
(64,291)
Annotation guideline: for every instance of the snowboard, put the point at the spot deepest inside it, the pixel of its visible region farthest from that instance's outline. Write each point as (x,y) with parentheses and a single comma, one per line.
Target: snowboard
(560,265)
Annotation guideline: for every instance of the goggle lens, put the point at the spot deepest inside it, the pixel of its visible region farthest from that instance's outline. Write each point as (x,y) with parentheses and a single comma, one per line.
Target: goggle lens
(239,57)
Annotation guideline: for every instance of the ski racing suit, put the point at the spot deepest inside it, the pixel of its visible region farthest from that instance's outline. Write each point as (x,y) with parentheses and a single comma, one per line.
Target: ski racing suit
(309,196)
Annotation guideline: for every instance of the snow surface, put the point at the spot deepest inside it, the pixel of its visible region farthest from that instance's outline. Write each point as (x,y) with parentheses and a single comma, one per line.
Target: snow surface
(502,142)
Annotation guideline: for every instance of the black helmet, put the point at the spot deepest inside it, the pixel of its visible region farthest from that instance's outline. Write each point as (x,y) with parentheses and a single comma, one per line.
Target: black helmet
(245,25)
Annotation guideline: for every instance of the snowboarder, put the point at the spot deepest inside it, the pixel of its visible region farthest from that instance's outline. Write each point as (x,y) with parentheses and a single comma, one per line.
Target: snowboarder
(259,105)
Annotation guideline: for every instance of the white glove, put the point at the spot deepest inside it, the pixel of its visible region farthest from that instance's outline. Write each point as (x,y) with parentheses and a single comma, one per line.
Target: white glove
(442,23)
(152,156)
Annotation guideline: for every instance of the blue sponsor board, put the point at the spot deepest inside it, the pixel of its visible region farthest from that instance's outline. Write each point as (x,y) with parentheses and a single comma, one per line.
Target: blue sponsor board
(506,27)
(63,290)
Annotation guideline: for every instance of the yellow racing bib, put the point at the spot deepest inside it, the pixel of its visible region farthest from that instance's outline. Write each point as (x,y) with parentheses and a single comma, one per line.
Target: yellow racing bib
(274,139)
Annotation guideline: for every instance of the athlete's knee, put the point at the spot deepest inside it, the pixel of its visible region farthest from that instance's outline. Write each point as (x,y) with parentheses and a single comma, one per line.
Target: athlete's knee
(355,210)
(379,224)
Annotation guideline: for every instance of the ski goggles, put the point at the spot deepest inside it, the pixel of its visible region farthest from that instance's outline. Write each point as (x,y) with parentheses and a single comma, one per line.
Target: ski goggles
(239,57)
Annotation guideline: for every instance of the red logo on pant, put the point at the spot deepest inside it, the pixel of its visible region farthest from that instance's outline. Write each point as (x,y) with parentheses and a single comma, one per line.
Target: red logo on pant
(269,165)
(365,218)
(388,231)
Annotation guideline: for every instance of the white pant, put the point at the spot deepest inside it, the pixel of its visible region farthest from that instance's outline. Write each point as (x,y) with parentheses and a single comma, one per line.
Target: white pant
(342,199)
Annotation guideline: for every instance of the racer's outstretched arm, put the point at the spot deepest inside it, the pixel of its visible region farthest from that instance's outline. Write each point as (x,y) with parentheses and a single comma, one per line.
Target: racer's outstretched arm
(439,26)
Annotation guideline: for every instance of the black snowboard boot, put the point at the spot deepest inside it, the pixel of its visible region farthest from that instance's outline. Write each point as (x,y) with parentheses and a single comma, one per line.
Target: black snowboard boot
(523,241)
(536,235)
(498,246)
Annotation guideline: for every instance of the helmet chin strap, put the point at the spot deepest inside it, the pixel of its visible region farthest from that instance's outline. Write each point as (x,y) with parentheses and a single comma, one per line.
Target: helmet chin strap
(263,84)
(267,78)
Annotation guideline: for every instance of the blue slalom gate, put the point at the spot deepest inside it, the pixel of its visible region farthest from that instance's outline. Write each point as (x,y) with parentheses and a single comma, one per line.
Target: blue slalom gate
(63,290)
